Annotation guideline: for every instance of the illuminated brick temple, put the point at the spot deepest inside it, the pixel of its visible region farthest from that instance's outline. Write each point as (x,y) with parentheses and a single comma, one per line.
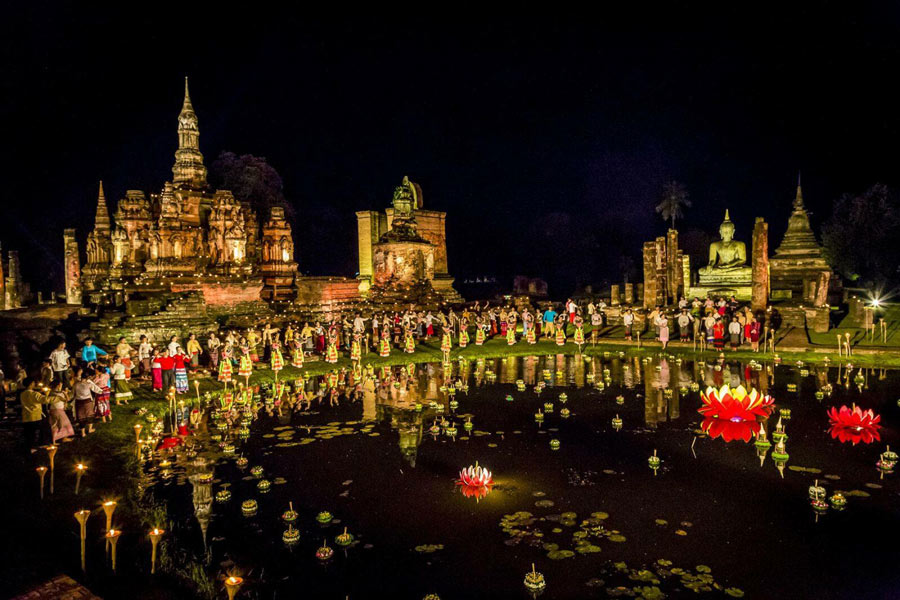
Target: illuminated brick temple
(193,250)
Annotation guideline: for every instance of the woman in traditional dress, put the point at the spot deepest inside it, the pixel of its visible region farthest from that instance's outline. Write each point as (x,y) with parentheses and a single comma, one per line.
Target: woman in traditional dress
(123,351)
(225,366)
(120,382)
(297,354)
(664,332)
(181,378)
(331,351)
(320,338)
(384,345)
(409,342)
(212,348)
(751,332)
(193,350)
(510,325)
(84,390)
(101,402)
(253,343)
(718,332)
(560,330)
(277,360)
(245,366)
(156,371)
(446,342)
(463,332)
(578,322)
(60,426)
(356,348)
(480,329)
(528,326)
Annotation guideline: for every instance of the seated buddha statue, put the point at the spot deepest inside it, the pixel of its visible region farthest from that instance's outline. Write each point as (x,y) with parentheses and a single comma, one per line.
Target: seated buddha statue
(728,257)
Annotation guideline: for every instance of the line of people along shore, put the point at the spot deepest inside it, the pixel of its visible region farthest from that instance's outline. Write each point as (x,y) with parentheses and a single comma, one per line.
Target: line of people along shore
(69,394)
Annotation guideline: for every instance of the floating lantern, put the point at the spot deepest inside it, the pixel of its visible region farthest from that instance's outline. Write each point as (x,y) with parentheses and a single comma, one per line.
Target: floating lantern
(539,416)
(838,501)
(564,413)
(617,422)
(534,581)
(233,585)
(554,444)
(324,552)
(779,434)
(223,496)
(654,462)
(112,538)
(264,485)
(854,425)
(324,517)
(256,470)
(563,398)
(248,507)
(816,491)
(344,539)
(290,536)
(887,461)
(155,535)
(41,471)
(82,516)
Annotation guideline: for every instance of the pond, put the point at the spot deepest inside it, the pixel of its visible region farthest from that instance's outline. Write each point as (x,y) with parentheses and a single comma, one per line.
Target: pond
(717,516)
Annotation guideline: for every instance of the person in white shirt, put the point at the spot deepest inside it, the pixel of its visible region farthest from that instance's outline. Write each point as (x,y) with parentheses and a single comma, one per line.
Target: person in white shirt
(59,362)
(145,351)
(734,333)
(684,325)
(628,322)
(173,345)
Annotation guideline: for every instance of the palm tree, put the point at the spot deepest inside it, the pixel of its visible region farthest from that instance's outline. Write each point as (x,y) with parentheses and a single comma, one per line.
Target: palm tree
(675,198)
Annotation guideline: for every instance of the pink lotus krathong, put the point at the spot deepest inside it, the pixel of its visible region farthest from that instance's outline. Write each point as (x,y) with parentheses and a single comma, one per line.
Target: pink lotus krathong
(854,425)
(735,404)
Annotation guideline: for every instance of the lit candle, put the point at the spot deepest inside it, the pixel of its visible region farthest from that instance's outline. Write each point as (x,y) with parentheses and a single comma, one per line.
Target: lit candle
(232,585)
(137,432)
(82,516)
(109,507)
(41,471)
(155,535)
(80,468)
(112,537)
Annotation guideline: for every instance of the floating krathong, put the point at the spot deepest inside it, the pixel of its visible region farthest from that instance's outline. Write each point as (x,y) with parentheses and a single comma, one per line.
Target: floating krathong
(241,462)
(509,398)
(563,398)
(264,485)
(290,515)
(324,552)
(816,492)
(620,400)
(344,539)
(617,423)
(785,413)
(838,501)
(735,404)
(539,416)
(854,425)
(256,470)
(248,507)
(728,430)
(548,407)
(475,476)
(223,496)
(564,413)
(454,405)
(534,580)
(554,444)
(887,461)
(290,536)
(324,517)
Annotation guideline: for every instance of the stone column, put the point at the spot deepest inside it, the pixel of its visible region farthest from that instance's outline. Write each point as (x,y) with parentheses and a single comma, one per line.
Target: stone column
(629,294)
(72,265)
(2,283)
(672,266)
(13,284)
(759,298)
(639,291)
(662,276)
(614,295)
(650,275)
(686,273)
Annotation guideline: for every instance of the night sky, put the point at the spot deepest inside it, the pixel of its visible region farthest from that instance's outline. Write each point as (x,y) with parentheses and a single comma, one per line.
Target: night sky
(547,142)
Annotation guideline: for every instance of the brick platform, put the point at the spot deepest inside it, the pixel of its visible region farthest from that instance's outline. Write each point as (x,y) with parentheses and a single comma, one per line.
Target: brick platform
(61,587)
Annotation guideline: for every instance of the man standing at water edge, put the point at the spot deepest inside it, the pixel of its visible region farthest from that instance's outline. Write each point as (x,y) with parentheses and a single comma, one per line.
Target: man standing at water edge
(549,320)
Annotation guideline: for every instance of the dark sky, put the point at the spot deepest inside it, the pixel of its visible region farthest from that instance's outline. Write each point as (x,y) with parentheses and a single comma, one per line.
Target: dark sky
(547,142)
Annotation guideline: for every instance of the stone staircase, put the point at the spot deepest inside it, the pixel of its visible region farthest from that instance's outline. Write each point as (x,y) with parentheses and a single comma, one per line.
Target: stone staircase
(158,316)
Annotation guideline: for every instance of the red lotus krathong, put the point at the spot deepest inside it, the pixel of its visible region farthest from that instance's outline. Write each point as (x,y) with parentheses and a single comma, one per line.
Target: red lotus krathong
(735,404)
(854,425)
(729,430)
(475,477)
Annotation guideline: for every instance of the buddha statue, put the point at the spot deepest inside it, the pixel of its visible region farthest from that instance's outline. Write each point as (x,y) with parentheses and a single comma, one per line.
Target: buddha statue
(727,258)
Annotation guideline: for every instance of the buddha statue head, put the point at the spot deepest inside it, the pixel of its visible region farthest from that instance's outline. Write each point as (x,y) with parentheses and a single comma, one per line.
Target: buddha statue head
(726,229)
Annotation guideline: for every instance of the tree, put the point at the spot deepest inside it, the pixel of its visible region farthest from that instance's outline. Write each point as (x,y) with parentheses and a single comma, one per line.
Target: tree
(675,199)
(860,235)
(251,179)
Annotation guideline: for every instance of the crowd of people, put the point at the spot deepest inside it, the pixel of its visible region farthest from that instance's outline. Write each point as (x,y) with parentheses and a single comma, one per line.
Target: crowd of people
(71,394)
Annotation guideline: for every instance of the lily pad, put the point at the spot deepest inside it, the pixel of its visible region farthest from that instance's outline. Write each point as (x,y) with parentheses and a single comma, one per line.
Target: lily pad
(734,592)
(560,554)
(661,522)
(616,537)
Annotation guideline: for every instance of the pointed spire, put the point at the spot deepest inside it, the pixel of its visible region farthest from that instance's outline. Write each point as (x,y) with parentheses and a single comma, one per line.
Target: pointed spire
(727,218)
(798,199)
(101,220)
(187,97)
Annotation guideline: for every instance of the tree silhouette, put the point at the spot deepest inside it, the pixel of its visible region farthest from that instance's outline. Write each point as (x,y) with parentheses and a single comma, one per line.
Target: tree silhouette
(675,199)
(251,179)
